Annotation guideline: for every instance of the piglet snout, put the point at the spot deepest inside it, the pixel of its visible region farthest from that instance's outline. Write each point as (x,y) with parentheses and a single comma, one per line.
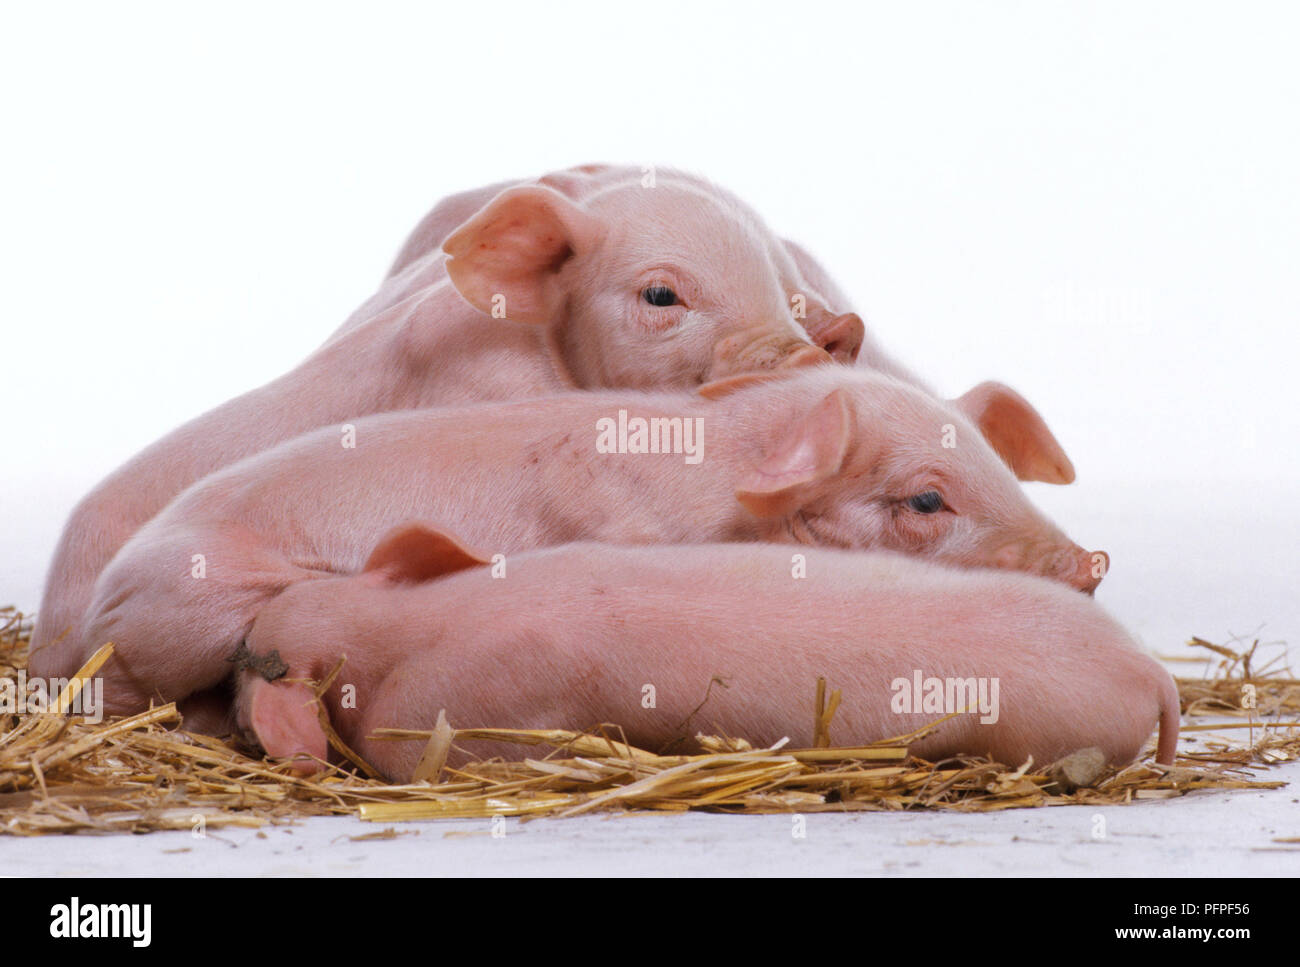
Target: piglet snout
(1080,568)
(841,336)
(1073,565)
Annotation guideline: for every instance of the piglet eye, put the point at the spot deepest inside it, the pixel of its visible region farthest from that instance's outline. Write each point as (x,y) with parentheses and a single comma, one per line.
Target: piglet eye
(659,295)
(929,502)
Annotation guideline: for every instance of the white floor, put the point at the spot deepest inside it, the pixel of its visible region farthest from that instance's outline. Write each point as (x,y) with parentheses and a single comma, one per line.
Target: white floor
(1202,834)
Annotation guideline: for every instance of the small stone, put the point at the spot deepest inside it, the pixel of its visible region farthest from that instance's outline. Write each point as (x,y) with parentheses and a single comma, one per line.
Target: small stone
(1078,770)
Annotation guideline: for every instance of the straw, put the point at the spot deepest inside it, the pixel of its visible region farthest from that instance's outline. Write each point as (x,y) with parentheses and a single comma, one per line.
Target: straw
(60,773)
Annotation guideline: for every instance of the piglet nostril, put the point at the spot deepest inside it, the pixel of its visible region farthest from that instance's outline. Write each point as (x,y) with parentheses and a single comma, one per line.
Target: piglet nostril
(841,336)
(844,337)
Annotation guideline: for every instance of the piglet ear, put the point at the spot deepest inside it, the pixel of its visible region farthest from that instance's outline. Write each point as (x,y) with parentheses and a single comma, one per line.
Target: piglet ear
(811,449)
(507,257)
(413,553)
(1015,430)
(284,718)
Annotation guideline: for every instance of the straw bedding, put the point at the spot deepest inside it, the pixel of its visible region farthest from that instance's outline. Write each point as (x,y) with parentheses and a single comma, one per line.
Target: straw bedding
(61,774)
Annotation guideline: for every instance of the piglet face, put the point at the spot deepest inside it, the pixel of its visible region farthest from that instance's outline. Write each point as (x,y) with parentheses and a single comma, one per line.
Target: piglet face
(682,290)
(879,464)
(961,506)
(671,285)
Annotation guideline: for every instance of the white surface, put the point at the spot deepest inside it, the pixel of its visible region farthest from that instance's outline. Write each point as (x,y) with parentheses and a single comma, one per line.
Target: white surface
(1203,834)
(1190,557)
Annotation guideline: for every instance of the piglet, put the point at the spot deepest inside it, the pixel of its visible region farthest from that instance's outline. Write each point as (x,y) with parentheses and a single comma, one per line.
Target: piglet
(829,455)
(669,641)
(816,299)
(534,293)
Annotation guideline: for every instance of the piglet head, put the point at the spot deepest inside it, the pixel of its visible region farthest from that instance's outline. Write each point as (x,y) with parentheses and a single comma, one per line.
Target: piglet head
(670,285)
(866,461)
(310,625)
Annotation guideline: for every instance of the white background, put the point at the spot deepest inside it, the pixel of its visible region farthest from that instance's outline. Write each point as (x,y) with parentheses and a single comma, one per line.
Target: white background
(1096,203)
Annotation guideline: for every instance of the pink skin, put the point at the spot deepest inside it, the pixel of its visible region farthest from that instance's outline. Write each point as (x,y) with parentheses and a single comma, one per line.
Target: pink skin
(829,455)
(829,319)
(827,315)
(573,276)
(577,632)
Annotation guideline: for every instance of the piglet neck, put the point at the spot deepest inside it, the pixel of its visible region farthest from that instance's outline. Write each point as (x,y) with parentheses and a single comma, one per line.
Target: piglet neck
(738,430)
(437,350)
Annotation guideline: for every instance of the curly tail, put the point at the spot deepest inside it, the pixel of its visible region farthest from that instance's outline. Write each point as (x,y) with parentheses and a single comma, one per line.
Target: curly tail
(1170,722)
